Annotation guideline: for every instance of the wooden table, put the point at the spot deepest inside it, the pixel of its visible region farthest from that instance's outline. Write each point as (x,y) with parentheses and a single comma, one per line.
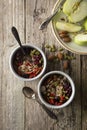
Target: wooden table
(17,112)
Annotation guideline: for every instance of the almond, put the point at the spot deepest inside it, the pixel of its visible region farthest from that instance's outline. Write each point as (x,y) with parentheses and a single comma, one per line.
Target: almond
(60,55)
(66,39)
(63,32)
(51,57)
(66,65)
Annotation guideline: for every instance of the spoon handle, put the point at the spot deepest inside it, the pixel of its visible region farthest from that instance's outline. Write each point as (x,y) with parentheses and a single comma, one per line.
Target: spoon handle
(16,35)
(49,112)
(47,20)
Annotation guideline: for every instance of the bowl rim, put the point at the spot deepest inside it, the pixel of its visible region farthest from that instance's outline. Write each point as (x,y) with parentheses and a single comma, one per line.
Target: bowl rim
(28,79)
(59,41)
(67,102)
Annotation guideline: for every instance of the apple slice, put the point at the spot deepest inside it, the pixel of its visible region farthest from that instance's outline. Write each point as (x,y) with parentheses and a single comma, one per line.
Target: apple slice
(70,6)
(81,39)
(80,13)
(68,27)
(85,24)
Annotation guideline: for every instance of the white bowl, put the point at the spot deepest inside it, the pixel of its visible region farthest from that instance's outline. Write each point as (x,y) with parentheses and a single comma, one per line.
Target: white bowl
(70,98)
(22,78)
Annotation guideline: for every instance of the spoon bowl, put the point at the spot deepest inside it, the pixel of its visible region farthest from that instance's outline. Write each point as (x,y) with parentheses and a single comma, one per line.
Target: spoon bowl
(28,92)
(45,23)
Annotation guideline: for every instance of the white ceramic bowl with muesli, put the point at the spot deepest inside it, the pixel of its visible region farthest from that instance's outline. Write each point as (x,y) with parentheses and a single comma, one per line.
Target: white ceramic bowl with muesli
(30,68)
(56,89)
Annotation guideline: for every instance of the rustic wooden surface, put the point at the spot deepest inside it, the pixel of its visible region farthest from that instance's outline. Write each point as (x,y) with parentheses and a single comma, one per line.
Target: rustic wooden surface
(17,112)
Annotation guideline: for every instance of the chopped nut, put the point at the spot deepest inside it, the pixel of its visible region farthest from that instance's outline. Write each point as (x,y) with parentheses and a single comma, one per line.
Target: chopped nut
(66,64)
(51,57)
(63,32)
(66,39)
(63,35)
(60,55)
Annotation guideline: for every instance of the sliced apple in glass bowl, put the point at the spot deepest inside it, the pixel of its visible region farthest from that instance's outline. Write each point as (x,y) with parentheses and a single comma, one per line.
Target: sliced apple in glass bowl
(66,30)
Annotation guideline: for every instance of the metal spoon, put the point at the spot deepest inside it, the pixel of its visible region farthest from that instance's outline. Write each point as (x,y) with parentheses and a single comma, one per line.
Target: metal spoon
(48,19)
(16,35)
(29,93)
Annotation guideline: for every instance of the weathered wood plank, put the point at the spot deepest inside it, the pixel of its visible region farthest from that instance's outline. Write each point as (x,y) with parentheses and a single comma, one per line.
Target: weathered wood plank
(84,92)
(1,65)
(12,97)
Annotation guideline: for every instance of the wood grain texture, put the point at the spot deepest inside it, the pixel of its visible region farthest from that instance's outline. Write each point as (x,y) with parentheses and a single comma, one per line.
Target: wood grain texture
(84,92)
(1,66)
(12,98)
